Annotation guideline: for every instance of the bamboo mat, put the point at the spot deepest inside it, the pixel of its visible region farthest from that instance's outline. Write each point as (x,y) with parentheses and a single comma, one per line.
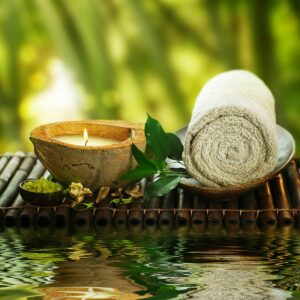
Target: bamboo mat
(276,203)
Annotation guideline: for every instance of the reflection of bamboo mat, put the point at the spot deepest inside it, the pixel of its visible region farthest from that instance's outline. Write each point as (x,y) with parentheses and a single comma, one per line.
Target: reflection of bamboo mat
(277,201)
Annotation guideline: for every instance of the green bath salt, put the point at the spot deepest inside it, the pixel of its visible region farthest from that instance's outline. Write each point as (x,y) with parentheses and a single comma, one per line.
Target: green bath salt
(42,185)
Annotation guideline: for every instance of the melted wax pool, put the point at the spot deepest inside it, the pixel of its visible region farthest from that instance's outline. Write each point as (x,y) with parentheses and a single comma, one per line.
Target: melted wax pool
(149,265)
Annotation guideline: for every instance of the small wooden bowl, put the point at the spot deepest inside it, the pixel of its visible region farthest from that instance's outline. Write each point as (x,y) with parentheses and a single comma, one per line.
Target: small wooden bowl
(41,199)
(93,166)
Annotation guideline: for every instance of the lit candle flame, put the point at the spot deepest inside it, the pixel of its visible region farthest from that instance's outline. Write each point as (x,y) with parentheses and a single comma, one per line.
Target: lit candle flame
(85,137)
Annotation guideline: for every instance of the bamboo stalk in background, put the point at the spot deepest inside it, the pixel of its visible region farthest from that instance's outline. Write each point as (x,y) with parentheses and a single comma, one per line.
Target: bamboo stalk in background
(136,215)
(4,160)
(45,217)
(248,201)
(265,201)
(231,217)
(281,201)
(293,184)
(198,217)
(12,189)
(62,216)
(182,218)
(10,169)
(166,218)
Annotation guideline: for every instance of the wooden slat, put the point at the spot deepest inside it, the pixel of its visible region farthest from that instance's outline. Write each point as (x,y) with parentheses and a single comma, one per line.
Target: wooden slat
(272,203)
(9,170)
(12,189)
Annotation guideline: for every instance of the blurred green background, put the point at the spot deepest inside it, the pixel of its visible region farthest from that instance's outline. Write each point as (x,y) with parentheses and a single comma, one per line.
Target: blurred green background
(96,59)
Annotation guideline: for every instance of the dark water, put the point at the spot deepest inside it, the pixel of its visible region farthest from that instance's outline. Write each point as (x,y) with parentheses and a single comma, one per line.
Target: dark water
(143,264)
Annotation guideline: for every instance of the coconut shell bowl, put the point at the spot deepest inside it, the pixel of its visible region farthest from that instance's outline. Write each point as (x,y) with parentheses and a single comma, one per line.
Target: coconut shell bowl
(41,199)
(93,166)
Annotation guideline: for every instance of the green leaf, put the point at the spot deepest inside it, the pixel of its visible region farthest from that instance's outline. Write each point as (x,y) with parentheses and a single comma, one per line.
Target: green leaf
(176,147)
(141,158)
(127,200)
(83,206)
(88,204)
(161,187)
(138,173)
(159,164)
(157,139)
(115,201)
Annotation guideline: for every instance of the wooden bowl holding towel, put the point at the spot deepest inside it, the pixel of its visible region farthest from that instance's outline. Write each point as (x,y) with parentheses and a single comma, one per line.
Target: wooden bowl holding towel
(286,150)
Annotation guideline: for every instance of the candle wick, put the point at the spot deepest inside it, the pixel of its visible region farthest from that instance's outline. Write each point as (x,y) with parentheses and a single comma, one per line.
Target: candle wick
(86,142)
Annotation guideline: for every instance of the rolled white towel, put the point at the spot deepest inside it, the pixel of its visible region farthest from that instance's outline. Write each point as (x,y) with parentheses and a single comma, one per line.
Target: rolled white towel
(232,138)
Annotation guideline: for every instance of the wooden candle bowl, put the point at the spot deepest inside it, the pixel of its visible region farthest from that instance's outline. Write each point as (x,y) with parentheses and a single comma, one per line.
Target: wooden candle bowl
(93,166)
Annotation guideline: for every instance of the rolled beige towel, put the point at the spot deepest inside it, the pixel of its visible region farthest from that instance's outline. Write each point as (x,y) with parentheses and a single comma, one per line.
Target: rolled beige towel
(232,138)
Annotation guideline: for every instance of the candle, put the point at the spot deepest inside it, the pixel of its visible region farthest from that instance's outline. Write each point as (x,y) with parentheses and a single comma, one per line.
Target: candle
(85,140)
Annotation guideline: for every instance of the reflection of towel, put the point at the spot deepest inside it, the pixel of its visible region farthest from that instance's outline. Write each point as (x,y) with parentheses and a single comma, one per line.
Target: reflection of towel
(232,137)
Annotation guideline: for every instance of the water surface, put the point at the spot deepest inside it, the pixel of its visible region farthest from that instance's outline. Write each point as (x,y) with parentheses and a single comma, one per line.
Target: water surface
(149,264)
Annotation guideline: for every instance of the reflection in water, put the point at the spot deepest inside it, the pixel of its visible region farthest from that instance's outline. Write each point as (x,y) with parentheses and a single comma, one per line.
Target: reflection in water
(231,280)
(141,264)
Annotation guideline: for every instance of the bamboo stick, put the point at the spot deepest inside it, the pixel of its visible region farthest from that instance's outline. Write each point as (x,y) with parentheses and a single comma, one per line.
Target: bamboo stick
(281,201)
(166,218)
(62,216)
(136,215)
(12,214)
(198,217)
(231,217)
(120,227)
(83,218)
(4,160)
(12,189)
(293,184)
(248,201)
(45,217)
(10,217)
(151,217)
(103,215)
(182,218)
(136,229)
(215,217)
(37,171)
(10,169)
(265,201)
(27,216)
(120,217)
